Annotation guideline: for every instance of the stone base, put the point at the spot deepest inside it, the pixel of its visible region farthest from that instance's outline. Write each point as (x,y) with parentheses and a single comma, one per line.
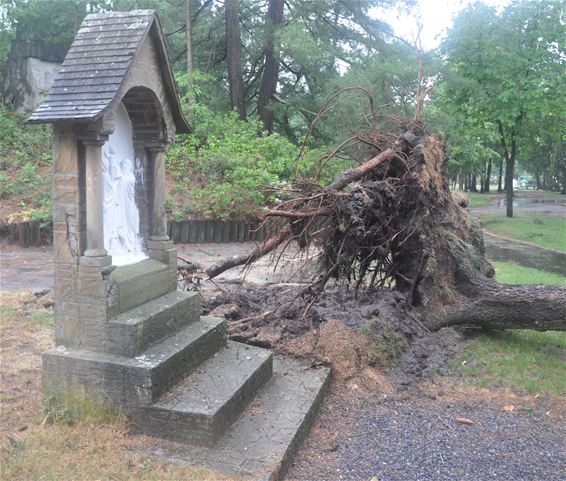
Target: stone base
(133,381)
(136,284)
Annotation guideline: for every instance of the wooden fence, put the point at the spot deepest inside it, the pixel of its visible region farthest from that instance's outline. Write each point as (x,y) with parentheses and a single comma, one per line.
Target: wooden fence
(26,234)
(31,233)
(201,231)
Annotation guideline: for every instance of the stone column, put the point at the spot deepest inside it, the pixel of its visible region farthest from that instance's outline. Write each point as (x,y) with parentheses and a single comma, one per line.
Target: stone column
(158,219)
(95,253)
(159,246)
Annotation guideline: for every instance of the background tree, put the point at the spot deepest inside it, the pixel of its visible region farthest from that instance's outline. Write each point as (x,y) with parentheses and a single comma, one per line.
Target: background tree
(232,15)
(502,68)
(270,76)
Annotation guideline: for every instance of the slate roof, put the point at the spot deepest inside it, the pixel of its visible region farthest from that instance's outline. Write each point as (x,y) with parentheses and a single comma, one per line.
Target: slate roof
(96,64)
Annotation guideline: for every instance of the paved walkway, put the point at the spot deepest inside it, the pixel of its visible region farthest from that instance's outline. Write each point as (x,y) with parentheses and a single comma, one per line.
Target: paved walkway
(32,269)
(527,202)
(504,249)
(28,269)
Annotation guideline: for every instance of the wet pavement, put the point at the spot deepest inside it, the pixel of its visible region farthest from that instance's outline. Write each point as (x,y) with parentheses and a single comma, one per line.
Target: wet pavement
(28,269)
(504,250)
(525,203)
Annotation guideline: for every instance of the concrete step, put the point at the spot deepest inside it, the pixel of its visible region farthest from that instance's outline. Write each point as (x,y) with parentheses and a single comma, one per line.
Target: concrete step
(133,331)
(261,444)
(204,405)
(139,380)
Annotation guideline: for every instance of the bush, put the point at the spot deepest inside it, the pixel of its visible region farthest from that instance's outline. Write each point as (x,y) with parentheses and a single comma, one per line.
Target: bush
(25,168)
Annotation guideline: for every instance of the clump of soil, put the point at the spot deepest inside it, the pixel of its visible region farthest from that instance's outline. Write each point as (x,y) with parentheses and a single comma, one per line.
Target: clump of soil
(346,329)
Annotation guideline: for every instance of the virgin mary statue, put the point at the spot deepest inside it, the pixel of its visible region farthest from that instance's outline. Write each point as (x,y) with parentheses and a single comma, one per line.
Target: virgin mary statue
(121,214)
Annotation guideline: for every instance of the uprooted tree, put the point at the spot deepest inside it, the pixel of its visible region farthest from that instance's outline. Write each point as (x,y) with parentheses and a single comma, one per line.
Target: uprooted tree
(393,221)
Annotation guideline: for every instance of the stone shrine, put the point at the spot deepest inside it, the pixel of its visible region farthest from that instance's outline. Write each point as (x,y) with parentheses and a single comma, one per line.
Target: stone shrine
(123,332)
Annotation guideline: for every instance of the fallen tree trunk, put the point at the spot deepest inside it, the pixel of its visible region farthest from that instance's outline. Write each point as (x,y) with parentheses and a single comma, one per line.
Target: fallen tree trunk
(537,307)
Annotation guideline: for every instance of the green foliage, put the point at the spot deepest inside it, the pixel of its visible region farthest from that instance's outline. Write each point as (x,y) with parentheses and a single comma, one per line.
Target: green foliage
(25,166)
(503,86)
(224,169)
(228,168)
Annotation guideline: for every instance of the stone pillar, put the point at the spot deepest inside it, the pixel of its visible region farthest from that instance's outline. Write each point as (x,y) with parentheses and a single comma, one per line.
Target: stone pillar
(158,220)
(159,246)
(95,254)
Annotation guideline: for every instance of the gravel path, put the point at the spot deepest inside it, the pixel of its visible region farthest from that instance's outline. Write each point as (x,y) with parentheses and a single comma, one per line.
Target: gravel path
(415,437)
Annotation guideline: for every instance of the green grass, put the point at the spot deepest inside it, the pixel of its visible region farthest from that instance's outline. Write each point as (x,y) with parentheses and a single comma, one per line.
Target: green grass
(526,361)
(545,231)
(511,273)
(477,199)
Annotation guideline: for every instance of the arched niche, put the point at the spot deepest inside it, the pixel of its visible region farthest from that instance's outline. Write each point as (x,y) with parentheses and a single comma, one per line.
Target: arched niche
(138,133)
(146,114)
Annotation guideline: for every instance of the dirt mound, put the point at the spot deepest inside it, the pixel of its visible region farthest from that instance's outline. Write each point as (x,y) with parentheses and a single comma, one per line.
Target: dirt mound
(351,332)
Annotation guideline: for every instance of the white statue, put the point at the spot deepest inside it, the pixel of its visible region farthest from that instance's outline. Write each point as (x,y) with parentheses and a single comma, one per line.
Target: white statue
(121,214)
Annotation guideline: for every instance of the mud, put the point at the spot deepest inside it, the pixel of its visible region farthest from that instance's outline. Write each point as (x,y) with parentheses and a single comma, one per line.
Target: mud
(346,330)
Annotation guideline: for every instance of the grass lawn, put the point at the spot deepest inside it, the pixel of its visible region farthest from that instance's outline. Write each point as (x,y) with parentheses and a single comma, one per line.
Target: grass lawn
(546,231)
(79,440)
(511,273)
(523,360)
(477,199)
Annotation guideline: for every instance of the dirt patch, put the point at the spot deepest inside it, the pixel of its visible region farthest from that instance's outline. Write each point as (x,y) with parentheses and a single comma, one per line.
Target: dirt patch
(349,331)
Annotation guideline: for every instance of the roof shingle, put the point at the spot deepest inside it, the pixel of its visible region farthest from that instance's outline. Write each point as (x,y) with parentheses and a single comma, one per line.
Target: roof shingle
(94,68)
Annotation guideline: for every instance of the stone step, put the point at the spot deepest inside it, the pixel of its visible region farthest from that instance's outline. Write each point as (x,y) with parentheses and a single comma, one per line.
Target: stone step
(133,331)
(130,381)
(138,283)
(205,404)
(261,444)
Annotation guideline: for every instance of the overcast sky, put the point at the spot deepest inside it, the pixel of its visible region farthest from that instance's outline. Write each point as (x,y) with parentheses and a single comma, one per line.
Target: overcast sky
(436,17)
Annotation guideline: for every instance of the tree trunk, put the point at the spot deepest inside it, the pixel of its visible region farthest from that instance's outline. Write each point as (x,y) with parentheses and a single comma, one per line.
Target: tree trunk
(509,165)
(473,183)
(271,66)
(487,177)
(537,307)
(500,176)
(509,174)
(488,304)
(189,38)
(563,191)
(235,82)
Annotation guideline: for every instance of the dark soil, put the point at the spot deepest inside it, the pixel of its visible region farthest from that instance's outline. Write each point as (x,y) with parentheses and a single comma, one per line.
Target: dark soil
(381,330)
